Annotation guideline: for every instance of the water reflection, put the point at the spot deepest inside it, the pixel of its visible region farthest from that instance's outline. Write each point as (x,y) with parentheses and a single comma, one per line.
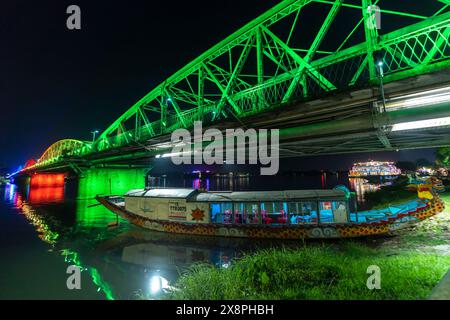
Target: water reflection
(45,233)
(124,262)
(212,182)
(73,258)
(127,262)
(363,186)
(155,259)
(297,180)
(90,215)
(40,195)
(10,191)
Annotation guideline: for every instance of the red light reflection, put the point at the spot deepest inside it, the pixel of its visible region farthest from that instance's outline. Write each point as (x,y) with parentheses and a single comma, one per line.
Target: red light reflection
(46,194)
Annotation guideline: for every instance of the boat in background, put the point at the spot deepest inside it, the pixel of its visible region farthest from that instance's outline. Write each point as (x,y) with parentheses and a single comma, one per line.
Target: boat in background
(374,169)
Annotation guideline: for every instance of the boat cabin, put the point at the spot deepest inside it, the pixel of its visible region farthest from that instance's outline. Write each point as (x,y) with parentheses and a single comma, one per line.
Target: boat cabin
(292,207)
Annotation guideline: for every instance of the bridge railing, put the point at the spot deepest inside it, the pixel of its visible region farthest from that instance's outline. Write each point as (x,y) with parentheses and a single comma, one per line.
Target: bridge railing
(412,51)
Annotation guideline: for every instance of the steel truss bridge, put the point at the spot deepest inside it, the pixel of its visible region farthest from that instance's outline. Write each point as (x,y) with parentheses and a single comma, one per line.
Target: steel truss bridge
(366,92)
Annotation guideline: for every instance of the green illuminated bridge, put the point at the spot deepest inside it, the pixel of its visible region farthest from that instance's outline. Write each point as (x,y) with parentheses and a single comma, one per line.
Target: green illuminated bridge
(330,88)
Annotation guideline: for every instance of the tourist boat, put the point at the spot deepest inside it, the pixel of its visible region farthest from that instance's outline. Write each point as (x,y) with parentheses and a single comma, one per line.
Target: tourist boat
(293,214)
(374,169)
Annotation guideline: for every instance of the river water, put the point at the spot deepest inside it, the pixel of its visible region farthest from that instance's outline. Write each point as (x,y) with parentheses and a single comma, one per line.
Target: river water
(44,230)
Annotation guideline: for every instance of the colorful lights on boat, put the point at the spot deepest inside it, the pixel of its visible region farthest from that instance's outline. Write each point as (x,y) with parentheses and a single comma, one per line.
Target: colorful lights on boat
(374,168)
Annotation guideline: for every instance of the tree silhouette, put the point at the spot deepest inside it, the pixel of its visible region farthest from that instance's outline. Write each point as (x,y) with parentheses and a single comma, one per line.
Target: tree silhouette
(443,157)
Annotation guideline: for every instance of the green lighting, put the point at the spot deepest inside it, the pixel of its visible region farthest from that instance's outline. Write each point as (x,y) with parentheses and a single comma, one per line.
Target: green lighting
(259,68)
(104,181)
(73,258)
(404,53)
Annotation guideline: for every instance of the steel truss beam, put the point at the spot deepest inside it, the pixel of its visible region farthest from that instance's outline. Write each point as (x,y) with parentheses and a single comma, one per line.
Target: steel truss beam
(261,66)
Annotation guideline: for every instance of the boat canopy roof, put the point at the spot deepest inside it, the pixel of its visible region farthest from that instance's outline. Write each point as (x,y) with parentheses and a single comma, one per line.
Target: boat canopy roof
(241,196)
(162,193)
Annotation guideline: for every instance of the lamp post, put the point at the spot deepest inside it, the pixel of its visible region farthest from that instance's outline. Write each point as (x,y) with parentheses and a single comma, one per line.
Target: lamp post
(94,133)
(380,65)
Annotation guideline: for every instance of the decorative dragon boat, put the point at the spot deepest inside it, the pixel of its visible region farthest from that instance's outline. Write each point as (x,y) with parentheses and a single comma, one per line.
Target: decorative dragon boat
(293,214)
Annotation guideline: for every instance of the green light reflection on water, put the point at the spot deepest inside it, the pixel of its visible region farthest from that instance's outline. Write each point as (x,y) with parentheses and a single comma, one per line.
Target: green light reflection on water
(87,218)
(73,258)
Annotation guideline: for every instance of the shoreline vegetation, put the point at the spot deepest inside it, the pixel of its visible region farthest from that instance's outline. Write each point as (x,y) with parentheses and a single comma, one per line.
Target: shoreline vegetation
(326,272)
(411,262)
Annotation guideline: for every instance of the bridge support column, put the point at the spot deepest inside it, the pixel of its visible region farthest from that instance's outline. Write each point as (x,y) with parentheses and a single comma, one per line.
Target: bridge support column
(105,181)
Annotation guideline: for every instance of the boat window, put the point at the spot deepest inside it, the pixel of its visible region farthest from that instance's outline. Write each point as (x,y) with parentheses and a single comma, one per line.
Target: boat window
(326,212)
(221,212)
(247,213)
(274,213)
(333,212)
(304,212)
(340,212)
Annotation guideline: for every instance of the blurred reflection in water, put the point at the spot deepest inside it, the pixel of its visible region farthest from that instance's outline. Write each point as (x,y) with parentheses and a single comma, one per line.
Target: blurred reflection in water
(38,195)
(363,186)
(125,262)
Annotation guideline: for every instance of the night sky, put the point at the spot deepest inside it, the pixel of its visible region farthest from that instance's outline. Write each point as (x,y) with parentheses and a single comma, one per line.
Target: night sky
(56,83)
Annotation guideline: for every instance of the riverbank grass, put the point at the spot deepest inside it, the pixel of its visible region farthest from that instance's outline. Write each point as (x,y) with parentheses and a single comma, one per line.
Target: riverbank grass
(318,272)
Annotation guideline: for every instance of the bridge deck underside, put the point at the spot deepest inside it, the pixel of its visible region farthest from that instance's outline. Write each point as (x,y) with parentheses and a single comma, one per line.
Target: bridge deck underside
(367,142)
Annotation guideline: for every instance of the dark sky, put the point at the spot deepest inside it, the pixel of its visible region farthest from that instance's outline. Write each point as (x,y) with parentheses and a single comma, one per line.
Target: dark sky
(56,83)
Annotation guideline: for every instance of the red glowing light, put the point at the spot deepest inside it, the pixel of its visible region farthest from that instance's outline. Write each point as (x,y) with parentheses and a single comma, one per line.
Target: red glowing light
(47,180)
(46,194)
(29,163)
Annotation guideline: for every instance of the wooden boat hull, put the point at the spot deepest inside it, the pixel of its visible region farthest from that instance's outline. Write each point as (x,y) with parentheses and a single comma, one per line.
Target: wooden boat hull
(331,231)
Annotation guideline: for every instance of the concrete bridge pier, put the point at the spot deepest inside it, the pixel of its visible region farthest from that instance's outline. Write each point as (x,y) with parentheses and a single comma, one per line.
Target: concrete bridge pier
(106,181)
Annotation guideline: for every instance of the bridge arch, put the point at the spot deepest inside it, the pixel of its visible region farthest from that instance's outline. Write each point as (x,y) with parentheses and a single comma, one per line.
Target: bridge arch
(30,163)
(66,147)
